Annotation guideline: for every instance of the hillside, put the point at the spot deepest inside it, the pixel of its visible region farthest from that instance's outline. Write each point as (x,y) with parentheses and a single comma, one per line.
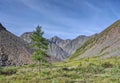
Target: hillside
(13,50)
(103,45)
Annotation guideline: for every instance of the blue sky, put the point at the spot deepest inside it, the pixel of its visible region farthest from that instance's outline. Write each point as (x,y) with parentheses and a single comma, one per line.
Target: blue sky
(64,18)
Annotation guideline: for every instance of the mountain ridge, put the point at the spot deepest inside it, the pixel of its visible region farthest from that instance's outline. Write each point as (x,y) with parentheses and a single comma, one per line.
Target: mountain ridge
(59,48)
(102,45)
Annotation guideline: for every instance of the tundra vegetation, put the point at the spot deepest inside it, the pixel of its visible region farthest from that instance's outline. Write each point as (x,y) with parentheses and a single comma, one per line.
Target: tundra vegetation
(87,70)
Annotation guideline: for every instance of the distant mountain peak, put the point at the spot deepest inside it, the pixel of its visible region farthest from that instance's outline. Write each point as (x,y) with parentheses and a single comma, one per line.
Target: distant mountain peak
(55,38)
(26,37)
(1,27)
(81,36)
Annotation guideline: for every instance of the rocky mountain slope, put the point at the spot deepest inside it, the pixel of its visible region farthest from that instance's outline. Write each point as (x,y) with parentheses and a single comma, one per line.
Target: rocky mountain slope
(59,48)
(13,50)
(103,45)
(26,37)
(55,48)
(73,45)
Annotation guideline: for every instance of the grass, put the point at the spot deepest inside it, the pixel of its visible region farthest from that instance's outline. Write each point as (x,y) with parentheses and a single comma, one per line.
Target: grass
(87,70)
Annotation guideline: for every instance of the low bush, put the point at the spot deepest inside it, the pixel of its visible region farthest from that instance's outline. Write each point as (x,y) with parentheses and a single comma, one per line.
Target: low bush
(107,65)
(8,71)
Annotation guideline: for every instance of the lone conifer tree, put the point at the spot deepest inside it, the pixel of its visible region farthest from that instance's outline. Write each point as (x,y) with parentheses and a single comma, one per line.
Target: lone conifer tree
(40,45)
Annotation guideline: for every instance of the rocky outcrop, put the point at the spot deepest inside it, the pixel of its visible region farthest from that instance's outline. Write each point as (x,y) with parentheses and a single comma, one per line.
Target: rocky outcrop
(13,50)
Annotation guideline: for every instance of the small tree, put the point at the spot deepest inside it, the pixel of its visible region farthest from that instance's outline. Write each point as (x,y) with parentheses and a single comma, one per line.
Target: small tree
(39,43)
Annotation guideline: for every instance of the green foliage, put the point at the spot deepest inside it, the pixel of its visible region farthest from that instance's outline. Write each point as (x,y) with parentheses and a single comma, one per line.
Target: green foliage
(39,44)
(81,71)
(8,71)
(107,65)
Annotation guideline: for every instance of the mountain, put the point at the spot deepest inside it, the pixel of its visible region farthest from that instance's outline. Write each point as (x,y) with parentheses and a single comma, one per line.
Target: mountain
(60,42)
(103,45)
(26,37)
(59,48)
(56,51)
(55,48)
(73,45)
(13,50)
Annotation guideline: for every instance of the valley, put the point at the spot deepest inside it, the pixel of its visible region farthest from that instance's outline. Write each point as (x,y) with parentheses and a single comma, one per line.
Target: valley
(85,59)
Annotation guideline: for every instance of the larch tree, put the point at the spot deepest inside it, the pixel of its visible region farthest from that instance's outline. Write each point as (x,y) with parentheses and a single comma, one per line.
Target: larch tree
(39,43)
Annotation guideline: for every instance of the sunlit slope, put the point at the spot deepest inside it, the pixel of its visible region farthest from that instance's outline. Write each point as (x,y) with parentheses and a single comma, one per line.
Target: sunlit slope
(103,45)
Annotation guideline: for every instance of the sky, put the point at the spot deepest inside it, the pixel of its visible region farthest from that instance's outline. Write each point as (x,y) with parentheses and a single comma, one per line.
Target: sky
(63,18)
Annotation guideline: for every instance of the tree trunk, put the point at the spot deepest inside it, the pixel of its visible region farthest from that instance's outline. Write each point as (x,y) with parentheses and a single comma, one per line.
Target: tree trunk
(39,70)
(39,66)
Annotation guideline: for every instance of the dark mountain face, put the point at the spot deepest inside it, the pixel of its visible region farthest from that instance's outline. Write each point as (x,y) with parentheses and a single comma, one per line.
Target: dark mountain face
(13,50)
(59,48)
(103,45)
(1,27)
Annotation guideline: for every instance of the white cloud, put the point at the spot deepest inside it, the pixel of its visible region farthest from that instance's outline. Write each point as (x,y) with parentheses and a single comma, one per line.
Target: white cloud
(92,6)
(56,20)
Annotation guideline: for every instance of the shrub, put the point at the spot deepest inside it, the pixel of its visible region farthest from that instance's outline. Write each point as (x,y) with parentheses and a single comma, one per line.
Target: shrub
(32,65)
(68,69)
(8,71)
(107,65)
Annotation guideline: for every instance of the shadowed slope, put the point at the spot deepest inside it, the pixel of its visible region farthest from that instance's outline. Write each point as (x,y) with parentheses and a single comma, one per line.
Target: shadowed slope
(13,51)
